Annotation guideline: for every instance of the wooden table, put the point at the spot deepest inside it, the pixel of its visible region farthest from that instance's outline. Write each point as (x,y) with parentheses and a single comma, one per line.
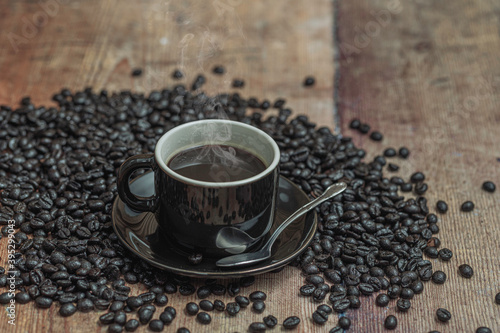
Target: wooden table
(426,74)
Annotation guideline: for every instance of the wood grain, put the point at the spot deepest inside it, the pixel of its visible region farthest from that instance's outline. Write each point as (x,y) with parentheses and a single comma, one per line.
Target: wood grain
(428,78)
(271,45)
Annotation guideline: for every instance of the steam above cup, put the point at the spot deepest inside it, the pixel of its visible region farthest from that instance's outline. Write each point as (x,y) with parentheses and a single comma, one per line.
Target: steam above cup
(192,207)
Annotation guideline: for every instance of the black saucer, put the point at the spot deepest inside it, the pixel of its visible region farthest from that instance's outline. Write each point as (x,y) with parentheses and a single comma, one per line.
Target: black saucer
(139,233)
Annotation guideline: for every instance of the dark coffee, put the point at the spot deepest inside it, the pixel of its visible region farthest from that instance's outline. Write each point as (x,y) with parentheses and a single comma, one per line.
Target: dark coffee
(216,163)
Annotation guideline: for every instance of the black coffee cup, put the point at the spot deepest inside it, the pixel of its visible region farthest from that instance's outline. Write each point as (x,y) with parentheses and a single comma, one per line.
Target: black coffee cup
(191,212)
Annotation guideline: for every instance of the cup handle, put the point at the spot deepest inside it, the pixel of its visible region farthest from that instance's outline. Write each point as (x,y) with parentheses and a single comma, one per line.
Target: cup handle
(142,204)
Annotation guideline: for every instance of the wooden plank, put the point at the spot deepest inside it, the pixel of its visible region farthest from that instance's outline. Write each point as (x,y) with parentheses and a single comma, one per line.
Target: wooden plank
(427,76)
(271,45)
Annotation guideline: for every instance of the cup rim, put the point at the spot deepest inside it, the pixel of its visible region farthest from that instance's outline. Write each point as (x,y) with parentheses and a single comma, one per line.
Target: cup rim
(163,166)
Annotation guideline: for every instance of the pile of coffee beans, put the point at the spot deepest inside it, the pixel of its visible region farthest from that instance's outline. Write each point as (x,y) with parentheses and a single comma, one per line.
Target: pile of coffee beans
(58,172)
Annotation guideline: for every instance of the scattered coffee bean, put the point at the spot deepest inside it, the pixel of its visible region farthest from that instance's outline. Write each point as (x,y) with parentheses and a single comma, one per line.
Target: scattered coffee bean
(309,81)
(443,315)
(344,322)
(219,305)
(404,152)
(382,300)
(258,306)
(403,305)
(319,317)
(183,330)
(115,328)
(376,136)
(390,322)
(203,318)
(439,277)
(270,321)
(238,83)
(467,206)
(291,322)
(336,329)
(232,308)
(441,206)
(69,309)
(219,70)
(489,186)
(354,124)
(483,330)
(156,325)
(364,128)
(137,72)
(132,325)
(445,254)
(257,327)
(390,152)
(177,74)
(206,305)
(325,308)
(257,296)
(192,308)
(465,271)
(497,298)
(393,167)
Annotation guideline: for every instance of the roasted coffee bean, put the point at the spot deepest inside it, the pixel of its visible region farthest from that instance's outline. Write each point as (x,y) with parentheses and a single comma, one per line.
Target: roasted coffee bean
(483,329)
(489,186)
(319,317)
(69,309)
(291,322)
(431,252)
(442,206)
(258,306)
(389,152)
(203,318)
(206,305)
(166,317)
(232,308)
(390,322)
(42,302)
(465,271)
(187,289)
(120,317)
(307,290)
(309,81)
(341,305)
(270,321)
(445,254)
(105,319)
(403,305)
(439,277)
(443,315)
(376,136)
(177,74)
(354,124)
(161,299)
(22,297)
(242,301)
(137,72)
(218,70)
(364,128)
(192,308)
(115,328)
(325,308)
(382,300)
(131,325)
(404,152)
(467,206)
(146,313)
(497,298)
(257,296)
(183,330)
(257,327)
(238,83)
(344,322)
(219,305)
(156,325)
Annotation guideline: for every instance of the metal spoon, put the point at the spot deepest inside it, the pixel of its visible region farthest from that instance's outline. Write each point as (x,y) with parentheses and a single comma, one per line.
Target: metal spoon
(264,253)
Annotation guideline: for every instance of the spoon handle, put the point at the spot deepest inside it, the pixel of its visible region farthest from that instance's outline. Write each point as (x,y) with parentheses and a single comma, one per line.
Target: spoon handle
(330,192)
